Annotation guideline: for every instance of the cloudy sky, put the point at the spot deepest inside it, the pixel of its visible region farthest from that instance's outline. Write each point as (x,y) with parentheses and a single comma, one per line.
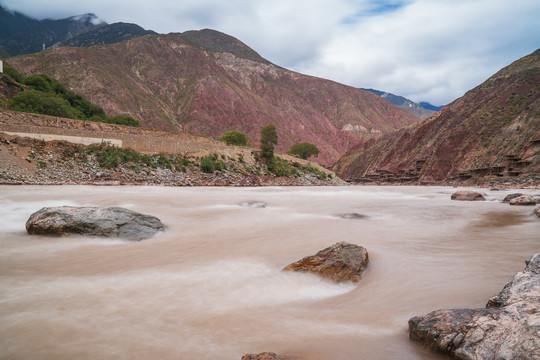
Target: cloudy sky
(425,50)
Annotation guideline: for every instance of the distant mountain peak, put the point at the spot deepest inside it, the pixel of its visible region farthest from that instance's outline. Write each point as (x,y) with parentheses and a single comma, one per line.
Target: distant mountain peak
(422,110)
(216,41)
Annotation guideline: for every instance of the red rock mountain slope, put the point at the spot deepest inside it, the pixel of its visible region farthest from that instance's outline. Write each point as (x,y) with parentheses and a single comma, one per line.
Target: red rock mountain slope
(493,130)
(205,82)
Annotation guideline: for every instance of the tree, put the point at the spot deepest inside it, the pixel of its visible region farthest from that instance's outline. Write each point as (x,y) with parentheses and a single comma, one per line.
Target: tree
(234,138)
(269,138)
(303,150)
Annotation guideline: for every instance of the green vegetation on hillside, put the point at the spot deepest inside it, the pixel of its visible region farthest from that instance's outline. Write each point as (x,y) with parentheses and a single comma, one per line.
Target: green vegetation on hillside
(45,95)
(303,150)
(235,138)
(269,138)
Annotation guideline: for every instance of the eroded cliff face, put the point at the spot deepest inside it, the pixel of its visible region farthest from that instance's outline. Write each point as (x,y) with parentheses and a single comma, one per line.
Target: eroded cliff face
(493,130)
(190,83)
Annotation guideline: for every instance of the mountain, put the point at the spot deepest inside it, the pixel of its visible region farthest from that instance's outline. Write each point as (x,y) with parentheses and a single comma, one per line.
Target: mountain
(421,110)
(428,106)
(20,34)
(206,82)
(493,130)
(13,22)
(107,34)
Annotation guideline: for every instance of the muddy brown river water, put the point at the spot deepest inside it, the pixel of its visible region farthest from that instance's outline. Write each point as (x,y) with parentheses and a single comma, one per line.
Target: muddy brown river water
(211,287)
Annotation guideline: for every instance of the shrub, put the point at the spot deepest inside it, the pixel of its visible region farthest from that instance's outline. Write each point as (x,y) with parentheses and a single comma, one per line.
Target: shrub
(303,150)
(42,82)
(320,174)
(43,103)
(280,167)
(220,165)
(13,73)
(234,138)
(80,103)
(207,164)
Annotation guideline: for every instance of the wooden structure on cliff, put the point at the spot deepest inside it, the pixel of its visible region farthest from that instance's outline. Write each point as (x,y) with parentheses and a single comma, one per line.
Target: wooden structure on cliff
(513,166)
(402,176)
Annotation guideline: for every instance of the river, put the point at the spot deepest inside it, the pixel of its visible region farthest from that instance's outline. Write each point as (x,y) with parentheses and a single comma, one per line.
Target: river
(211,286)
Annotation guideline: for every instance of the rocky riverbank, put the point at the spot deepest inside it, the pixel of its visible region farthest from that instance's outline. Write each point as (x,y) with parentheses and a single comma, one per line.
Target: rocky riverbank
(25,161)
(507,328)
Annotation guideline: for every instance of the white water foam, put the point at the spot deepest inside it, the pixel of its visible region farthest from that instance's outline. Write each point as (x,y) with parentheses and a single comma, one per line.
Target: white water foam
(13,215)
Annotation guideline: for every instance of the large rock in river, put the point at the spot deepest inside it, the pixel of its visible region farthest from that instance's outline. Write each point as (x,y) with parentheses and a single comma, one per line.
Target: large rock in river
(508,328)
(523,200)
(509,197)
(340,262)
(466,195)
(105,222)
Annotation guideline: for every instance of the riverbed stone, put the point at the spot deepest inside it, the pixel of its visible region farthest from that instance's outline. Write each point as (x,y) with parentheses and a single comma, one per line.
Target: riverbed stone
(507,328)
(265,356)
(509,197)
(536,212)
(254,204)
(355,215)
(93,221)
(523,200)
(340,262)
(467,195)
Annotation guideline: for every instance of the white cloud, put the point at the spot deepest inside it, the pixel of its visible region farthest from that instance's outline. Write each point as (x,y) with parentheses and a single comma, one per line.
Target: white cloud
(432,50)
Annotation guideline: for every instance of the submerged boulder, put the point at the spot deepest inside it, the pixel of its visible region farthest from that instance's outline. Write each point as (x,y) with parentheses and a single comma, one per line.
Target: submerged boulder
(523,200)
(467,195)
(265,356)
(508,328)
(352,216)
(254,204)
(340,262)
(93,221)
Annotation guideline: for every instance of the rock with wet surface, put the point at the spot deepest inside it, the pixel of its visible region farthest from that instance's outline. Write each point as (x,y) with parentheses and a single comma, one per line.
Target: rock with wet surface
(340,262)
(254,204)
(536,212)
(467,195)
(509,197)
(523,200)
(93,221)
(352,216)
(265,356)
(508,328)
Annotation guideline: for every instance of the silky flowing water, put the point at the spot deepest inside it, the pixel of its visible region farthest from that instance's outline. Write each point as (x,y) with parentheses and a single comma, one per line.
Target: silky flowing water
(211,286)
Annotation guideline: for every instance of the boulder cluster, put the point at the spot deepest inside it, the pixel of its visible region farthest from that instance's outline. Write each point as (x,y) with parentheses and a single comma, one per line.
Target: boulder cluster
(512,199)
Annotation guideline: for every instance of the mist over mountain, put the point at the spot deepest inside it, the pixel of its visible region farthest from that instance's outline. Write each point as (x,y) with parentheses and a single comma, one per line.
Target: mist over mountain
(21,34)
